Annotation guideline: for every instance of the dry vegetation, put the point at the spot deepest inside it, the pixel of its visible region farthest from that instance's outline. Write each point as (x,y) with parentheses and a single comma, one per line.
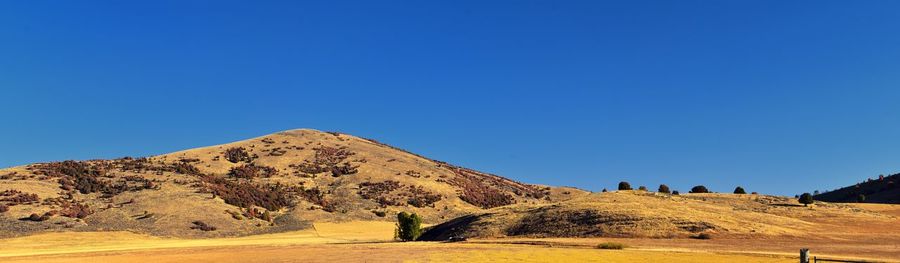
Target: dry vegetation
(274,183)
(285,182)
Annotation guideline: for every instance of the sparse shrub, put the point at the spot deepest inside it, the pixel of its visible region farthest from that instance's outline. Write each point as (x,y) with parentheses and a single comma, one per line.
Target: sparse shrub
(604,190)
(236,155)
(861,198)
(805,199)
(202,226)
(699,189)
(379,213)
(675,192)
(3,208)
(611,245)
(703,236)
(664,189)
(642,188)
(235,215)
(409,226)
(739,190)
(624,186)
(754,193)
(35,217)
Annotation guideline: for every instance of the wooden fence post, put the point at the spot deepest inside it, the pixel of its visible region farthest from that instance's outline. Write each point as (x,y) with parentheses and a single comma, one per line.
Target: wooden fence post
(804,255)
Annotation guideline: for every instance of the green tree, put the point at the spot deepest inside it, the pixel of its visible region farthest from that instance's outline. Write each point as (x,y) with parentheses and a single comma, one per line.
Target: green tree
(806,199)
(664,189)
(699,189)
(409,226)
(739,190)
(624,186)
(861,198)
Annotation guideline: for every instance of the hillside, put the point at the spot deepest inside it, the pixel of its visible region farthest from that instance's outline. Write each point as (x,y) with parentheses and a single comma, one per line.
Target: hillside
(881,190)
(274,183)
(641,214)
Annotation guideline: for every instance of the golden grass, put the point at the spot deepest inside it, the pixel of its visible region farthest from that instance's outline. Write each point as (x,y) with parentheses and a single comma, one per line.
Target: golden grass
(369,241)
(80,242)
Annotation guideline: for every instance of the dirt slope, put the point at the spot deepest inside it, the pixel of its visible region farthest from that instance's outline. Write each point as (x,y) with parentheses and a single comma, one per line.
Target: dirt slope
(274,183)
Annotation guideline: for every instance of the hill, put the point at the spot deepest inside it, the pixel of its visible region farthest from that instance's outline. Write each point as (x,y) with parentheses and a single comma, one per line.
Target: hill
(274,183)
(641,214)
(881,190)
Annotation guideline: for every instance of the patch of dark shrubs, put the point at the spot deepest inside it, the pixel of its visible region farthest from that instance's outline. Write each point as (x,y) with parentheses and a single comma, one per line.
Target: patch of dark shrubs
(316,196)
(200,225)
(373,191)
(255,213)
(624,186)
(245,194)
(76,210)
(328,159)
(250,171)
(15,197)
(480,194)
(419,197)
(739,190)
(3,208)
(236,155)
(185,168)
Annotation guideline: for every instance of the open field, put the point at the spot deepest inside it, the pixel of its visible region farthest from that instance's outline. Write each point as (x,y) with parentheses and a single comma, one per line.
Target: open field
(370,242)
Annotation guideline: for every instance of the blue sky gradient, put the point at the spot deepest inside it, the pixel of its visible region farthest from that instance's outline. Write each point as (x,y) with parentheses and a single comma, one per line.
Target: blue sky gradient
(776,96)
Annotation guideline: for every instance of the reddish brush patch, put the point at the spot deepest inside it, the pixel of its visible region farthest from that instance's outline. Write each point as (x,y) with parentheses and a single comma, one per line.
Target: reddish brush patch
(246,194)
(250,171)
(15,197)
(76,210)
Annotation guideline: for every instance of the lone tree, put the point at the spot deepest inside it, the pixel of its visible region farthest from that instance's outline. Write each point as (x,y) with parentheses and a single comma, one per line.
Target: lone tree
(861,198)
(409,226)
(806,199)
(675,192)
(739,190)
(664,189)
(642,188)
(604,190)
(699,189)
(624,186)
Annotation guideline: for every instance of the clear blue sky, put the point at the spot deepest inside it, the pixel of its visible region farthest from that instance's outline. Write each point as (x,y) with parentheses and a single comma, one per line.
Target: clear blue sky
(775,96)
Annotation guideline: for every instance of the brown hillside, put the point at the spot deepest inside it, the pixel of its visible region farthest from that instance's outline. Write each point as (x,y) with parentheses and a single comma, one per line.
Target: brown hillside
(274,183)
(654,215)
(879,190)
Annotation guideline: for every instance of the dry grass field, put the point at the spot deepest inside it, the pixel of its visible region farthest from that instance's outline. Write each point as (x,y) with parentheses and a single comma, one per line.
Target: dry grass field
(368,241)
(344,242)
